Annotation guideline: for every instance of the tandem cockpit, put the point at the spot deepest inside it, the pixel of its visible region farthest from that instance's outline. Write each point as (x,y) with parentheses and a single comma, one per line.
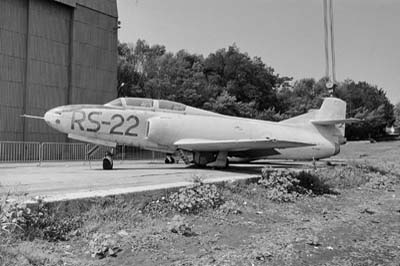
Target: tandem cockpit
(145,103)
(156,105)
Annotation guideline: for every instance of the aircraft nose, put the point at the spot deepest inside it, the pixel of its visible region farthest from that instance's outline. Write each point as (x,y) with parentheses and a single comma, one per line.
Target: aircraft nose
(52,117)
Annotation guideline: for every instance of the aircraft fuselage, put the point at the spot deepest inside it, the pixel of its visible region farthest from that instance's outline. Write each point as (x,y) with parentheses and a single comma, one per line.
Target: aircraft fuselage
(159,130)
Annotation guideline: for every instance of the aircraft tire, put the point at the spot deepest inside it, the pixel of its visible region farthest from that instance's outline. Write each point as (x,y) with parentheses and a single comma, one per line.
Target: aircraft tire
(107,163)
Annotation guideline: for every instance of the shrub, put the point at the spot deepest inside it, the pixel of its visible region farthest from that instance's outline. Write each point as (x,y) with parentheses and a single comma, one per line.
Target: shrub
(313,182)
(14,217)
(286,186)
(196,198)
(18,219)
(280,185)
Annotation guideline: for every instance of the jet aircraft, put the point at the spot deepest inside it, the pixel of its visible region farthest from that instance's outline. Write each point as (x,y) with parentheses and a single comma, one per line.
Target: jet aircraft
(207,138)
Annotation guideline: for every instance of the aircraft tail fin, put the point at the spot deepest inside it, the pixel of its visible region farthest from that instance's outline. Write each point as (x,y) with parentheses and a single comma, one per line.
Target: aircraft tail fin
(330,118)
(331,113)
(332,109)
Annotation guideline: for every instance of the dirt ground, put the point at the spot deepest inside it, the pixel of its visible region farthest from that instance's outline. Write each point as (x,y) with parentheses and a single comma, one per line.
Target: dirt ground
(355,222)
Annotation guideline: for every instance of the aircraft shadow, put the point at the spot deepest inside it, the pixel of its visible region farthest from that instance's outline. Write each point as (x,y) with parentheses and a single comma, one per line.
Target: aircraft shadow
(249,168)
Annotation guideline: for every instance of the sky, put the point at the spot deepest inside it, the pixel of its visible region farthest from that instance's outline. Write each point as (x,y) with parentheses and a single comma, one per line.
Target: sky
(287,34)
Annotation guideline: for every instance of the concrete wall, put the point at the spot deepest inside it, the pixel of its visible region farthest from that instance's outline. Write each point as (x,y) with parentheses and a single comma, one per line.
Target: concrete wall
(53,53)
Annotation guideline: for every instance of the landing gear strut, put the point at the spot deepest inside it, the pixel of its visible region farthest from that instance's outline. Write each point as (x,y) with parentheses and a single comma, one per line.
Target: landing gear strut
(169,159)
(108,161)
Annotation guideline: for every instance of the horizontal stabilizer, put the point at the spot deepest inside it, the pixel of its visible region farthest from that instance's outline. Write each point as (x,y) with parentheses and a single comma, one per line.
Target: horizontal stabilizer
(335,122)
(93,140)
(236,145)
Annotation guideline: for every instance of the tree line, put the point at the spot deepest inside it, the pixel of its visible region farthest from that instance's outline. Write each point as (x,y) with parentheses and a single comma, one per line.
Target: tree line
(231,82)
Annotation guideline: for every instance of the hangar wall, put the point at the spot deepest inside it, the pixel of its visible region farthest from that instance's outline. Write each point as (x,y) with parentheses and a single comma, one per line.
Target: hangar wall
(53,52)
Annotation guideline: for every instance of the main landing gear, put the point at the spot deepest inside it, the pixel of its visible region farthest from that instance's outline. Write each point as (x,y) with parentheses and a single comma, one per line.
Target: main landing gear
(108,161)
(211,159)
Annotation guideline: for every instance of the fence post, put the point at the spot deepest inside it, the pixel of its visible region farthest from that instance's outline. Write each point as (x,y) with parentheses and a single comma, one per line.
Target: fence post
(40,153)
(86,152)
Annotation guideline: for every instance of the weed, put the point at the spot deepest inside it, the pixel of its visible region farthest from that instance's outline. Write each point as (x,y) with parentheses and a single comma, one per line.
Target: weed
(197,179)
(158,207)
(230,207)
(286,186)
(179,226)
(314,182)
(195,198)
(27,223)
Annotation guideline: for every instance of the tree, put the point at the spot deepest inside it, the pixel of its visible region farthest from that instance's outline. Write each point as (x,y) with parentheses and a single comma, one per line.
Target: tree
(247,79)
(396,113)
(367,102)
(305,94)
(230,82)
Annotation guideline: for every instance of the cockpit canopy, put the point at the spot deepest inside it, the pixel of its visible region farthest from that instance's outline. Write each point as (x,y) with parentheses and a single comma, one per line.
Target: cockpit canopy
(168,105)
(157,105)
(147,103)
(115,103)
(139,102)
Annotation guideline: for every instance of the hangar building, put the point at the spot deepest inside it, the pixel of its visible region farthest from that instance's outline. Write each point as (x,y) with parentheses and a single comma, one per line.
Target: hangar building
(54,52)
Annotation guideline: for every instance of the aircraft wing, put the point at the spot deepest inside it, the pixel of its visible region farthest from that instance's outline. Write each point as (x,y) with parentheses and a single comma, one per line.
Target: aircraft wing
(93,140)
(236,145)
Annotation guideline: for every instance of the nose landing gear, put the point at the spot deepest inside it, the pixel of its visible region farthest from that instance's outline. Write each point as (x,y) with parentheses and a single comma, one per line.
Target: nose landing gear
(108,161)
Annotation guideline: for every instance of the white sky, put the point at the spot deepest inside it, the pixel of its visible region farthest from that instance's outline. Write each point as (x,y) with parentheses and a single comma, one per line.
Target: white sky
(287,34)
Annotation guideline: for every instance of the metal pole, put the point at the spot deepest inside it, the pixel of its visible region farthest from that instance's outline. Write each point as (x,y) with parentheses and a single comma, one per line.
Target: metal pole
(325,12)
(332,41)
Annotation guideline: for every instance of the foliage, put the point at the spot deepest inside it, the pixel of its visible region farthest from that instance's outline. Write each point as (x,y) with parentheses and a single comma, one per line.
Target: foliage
(195,198)
(230,207)
(305,94)
(14,217)
(369,103)
(27,222)
(396,112)
(280,185)
(287,186)
(227,81)
(230,82)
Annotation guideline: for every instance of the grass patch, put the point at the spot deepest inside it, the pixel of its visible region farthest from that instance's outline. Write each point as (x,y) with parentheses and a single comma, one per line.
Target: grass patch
(357,174)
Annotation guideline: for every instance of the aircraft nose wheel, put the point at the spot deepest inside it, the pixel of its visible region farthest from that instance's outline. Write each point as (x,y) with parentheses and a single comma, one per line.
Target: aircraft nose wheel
(108,161)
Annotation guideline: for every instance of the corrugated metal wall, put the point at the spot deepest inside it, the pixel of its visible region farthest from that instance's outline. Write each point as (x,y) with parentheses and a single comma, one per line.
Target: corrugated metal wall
(48,53)
(13,21)
(95,57)
(72,58)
